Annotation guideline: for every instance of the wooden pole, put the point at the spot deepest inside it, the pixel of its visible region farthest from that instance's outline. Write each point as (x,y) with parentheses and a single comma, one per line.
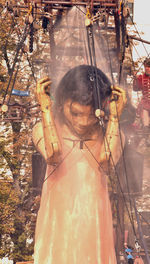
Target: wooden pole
(139,39)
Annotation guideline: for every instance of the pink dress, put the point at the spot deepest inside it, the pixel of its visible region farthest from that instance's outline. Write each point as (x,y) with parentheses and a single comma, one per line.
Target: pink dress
(74,223)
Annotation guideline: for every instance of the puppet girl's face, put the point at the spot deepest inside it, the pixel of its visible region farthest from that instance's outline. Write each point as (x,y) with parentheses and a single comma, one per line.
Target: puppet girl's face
(79,118)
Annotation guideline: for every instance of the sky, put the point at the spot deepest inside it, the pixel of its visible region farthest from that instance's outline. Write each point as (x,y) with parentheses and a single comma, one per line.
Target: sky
(142,22)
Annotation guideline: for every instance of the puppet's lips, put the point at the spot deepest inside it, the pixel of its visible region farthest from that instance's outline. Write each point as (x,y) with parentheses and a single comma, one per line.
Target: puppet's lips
(82,130)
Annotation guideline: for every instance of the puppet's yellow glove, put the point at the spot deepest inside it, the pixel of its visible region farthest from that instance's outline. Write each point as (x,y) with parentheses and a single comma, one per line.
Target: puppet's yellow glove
(42,93)
(117,103)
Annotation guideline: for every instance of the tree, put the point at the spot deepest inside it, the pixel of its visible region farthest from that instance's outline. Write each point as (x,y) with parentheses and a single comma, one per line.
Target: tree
(16,199)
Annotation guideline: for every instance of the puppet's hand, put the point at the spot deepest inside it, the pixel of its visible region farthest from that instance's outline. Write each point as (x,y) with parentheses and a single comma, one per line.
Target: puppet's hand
(118,101)
(43,94)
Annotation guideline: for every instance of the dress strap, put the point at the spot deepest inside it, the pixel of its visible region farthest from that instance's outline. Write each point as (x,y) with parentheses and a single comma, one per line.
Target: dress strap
(80,141)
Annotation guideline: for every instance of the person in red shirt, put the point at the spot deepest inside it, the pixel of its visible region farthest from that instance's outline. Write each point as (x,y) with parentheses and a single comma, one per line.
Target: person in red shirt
(142,83)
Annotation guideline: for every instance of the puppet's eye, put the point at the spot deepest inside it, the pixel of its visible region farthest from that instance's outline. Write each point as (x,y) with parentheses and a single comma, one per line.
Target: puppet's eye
(74,114)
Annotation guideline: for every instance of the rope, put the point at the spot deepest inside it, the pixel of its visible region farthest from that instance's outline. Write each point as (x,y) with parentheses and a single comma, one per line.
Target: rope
(138,34)
(93,61)
(144,219)
(94,76)
(109,174)
(80,9)
(85,47)
(125,169)
(116,173)
(138,56)
(108,51)
(141,235)
(31,67)
(123,34)
(131,217)
(58,165)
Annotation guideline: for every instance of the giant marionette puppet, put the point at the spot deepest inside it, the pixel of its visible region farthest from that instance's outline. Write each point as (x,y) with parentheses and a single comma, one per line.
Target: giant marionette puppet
(74,223)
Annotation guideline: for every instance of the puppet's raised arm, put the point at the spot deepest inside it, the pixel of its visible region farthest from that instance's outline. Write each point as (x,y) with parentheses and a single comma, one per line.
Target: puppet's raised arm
(45,136)
(113,139)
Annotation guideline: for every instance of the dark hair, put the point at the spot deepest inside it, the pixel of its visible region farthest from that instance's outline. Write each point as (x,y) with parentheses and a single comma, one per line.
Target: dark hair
(147,62)
(78,85)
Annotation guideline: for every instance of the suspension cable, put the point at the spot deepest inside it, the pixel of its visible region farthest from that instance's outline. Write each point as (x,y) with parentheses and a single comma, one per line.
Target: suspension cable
(141,234)
(123,35)
(118,122)
(58,165)
(116,173)
(109,174)
(130,215)
(93,61)
(90,39)
(125,169)
(148,224)
(31,67)
(138,33)
(94,77)
(110,63)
